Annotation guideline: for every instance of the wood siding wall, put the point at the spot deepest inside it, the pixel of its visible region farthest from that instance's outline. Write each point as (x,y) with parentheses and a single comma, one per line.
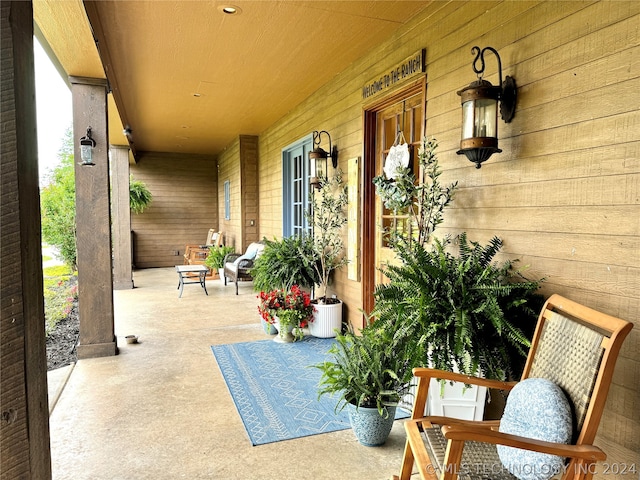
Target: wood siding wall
(249,189)
(184,207)
(238,164)
(564,193)
(229,169)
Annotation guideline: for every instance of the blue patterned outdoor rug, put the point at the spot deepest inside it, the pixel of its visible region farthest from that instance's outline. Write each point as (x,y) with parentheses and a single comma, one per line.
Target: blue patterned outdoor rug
(275,390)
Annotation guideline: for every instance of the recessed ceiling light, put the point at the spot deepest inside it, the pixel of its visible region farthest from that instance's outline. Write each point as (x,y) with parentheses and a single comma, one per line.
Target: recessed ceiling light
(230,9)
(197,94)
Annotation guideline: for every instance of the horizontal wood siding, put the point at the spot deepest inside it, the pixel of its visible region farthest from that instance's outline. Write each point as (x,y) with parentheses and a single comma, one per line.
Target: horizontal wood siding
(184,207)
(564,193)
(238,164)
(229,168)
(249,189)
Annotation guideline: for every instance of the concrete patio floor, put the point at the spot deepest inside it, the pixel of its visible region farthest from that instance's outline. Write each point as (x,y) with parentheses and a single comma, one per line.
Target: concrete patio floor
(161,409)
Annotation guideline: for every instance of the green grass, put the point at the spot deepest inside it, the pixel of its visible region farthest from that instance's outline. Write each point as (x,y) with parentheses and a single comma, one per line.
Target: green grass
(60,293)
(57,271)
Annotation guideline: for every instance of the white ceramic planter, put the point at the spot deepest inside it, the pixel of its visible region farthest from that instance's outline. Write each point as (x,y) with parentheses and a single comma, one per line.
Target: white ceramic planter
(282,336)
(326,320)
(455,401)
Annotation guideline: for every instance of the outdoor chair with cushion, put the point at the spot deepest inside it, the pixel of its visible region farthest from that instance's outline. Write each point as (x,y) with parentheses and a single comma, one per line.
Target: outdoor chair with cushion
(551,416)
(238,266)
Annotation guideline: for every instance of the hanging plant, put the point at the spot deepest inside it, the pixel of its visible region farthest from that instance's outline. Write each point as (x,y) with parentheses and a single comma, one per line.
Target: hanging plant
(139,196)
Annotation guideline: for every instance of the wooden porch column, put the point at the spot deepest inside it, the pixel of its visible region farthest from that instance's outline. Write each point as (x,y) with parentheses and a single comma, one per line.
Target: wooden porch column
(93,222)
(24,411)
(122,255)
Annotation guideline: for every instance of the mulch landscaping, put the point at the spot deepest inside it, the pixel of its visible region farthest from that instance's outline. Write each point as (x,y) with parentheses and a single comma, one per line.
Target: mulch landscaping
(62,341)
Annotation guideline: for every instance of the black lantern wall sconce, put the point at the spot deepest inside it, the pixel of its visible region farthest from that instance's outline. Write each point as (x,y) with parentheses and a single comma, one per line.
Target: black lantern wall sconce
(318,164)
(480,110)
(87,144)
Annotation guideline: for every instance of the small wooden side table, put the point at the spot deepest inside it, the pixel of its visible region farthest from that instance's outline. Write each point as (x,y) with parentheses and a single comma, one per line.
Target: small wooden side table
(201,270)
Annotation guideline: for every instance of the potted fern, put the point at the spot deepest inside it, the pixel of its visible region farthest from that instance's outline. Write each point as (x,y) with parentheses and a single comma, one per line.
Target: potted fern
(283,265)
(328,218)
(463,312)
(456,312)
(368,377)
(215,259)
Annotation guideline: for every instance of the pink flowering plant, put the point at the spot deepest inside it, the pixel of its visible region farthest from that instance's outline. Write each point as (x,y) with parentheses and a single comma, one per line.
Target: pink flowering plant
(292,307)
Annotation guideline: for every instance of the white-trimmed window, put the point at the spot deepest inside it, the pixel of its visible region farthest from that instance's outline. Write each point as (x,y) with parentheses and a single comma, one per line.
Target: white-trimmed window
(295,187)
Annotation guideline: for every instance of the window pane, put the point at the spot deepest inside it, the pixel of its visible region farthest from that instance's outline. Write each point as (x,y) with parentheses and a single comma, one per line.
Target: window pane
(390,224)
(227,200)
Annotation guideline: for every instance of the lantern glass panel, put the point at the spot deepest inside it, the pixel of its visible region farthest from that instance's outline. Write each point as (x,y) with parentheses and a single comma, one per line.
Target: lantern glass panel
(321,165)
(468,119)
(313,170)
(486,118)
(480,118)
(85,153)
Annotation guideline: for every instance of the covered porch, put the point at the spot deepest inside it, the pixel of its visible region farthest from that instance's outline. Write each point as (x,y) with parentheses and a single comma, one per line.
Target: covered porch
(161,409)
(562,195)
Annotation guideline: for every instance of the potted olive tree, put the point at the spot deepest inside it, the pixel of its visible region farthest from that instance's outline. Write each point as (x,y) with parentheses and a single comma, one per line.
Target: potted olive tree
(369,379)
(328,218)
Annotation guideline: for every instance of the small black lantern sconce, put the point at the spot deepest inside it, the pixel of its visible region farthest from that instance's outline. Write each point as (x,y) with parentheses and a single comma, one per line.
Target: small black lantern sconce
(480,110)
(87,144)
(318,164)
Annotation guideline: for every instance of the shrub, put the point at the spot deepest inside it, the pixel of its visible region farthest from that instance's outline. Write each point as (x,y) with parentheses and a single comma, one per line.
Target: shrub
(58,208)
(60,294)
